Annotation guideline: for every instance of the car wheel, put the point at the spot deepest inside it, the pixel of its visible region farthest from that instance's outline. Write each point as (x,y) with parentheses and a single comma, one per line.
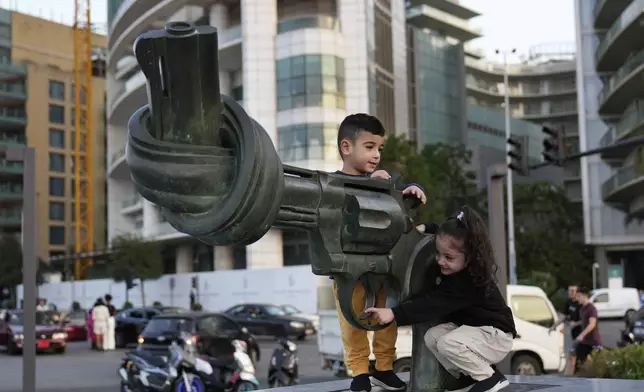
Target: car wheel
(402,365)
(526,365)
(301,337)
(11,349)
(60,350)
(119,340)
(629,314)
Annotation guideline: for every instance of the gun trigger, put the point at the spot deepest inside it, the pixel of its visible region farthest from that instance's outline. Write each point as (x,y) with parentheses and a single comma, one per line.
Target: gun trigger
(370,302)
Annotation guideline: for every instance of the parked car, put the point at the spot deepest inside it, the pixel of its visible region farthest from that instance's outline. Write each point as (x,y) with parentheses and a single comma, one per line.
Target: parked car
(270,320)
(212,333)
(613,303)
(50,336)
(75,325)
(129,323)
(293,311)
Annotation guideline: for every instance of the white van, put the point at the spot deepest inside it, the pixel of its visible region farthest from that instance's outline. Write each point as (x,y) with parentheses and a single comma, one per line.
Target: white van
(535,350)
(611,303)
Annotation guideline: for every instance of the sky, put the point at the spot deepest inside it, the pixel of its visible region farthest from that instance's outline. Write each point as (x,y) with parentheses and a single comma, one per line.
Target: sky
(506,24)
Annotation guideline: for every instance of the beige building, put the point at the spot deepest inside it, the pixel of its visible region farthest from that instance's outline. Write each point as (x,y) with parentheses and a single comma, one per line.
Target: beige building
(36,90)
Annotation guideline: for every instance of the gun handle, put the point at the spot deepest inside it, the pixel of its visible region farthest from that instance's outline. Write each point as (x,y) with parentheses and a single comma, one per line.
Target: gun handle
(345,286)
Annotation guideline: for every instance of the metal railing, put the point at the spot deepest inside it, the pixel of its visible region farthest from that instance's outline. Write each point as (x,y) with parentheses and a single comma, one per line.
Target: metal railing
(623,176)
(132,201)
(616,80)
(633,118)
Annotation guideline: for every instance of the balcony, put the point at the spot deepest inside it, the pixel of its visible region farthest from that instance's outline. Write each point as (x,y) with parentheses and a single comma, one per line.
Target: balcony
(10,220)
(11,169)
(554,111)
(117,167)
(11,141)
(622,38)
(132,206)
(12,94)
(11,72)
(491,90)
(14,117)
(426,17)
(630,125)
(624,186)
(450,6)
(623,87)
(605,15)
(10,193)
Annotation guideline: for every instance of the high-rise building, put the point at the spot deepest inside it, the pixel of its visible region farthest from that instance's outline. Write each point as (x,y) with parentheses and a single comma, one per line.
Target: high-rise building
(37,99)
(610,66)
(542,90)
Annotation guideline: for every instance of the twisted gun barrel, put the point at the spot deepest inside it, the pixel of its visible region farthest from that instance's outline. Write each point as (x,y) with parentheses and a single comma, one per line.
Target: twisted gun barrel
(216,175)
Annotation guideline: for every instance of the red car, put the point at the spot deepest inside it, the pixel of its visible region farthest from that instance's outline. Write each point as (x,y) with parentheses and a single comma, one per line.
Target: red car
(75,325)
(50,336)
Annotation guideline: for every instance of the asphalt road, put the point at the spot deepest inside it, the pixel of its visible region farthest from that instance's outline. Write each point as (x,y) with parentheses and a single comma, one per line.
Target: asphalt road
(81,369)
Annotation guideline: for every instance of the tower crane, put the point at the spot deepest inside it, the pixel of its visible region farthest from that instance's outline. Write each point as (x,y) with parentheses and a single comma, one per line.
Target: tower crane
(83,136)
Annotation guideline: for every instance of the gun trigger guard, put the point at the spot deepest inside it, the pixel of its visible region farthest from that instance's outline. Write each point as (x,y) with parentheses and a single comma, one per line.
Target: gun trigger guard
(345,299)
(372,286)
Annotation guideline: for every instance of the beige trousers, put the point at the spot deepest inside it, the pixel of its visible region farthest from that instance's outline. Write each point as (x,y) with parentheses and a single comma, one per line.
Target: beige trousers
(468,350)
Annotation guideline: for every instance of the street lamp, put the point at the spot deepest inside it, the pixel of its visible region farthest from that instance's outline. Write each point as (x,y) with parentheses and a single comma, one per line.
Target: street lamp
(512,257)
(595,270)
(27,156)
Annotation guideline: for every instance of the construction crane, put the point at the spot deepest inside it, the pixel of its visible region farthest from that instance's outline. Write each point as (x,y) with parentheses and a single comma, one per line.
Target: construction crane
(83,136)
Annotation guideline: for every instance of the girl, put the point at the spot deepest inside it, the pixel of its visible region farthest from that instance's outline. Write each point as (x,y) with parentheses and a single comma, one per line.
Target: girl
(100,315)
(474,327)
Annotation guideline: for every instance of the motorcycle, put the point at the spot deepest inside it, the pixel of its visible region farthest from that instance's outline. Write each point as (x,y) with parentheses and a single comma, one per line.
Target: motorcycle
(284,365)
(143,372)
(226,375)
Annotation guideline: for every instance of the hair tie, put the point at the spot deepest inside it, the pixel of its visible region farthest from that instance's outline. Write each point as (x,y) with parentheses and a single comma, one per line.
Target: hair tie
(460,216)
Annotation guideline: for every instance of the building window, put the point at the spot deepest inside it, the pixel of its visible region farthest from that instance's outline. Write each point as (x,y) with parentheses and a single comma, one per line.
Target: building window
(238,93)
(57,163)
(56,90)
(310,80)
(56,186)
(309,22)
(56,211)
(83,94)
(56,138)
(5,31)
(56,114)
(56,235)
(296,247)
(307,141)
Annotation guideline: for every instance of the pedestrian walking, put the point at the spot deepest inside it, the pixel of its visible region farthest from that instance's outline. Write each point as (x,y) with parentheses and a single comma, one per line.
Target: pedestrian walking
(100,315)
(109,342)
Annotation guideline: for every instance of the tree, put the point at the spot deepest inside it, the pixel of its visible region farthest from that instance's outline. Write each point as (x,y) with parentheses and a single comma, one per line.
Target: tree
(547,229)
(439,168)
(11,263)
(134,257)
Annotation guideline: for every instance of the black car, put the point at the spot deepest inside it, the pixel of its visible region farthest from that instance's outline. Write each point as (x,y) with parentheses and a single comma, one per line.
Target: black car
(270,320)
(130,322)
(212,334)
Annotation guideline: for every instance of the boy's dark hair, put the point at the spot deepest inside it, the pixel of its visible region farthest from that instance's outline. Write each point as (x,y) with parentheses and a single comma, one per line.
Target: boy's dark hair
(583,290)
(467,226)
(353,124)
(108,297)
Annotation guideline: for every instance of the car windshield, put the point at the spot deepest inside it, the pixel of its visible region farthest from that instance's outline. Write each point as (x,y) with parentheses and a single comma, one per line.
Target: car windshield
(173,310)
(42,318)
(290,309)
(168,325)
(274,311)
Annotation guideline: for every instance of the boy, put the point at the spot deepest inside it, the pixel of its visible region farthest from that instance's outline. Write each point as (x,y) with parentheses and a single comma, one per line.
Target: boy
(589,338)
(361,138)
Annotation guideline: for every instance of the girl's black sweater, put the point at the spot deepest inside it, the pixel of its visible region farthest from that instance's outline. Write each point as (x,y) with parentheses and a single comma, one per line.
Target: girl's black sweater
(455,298)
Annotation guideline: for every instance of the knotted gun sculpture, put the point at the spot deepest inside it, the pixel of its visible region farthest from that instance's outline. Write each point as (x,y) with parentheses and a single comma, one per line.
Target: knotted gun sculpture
(216,175)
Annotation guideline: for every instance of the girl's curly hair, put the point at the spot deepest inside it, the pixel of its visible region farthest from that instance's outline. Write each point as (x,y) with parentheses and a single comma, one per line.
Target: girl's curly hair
(468,227)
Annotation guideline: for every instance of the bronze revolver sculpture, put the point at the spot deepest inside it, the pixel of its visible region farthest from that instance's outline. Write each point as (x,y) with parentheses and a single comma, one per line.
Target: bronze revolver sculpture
(216,175)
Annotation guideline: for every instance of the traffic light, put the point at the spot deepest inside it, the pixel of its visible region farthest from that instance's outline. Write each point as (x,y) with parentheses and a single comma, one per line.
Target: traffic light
(195,282)
(129,280)
(554,148)
(519,158)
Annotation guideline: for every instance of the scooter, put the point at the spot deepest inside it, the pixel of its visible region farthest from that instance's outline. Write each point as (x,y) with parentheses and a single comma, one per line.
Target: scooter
(143,372)
(221,375)
(284,366)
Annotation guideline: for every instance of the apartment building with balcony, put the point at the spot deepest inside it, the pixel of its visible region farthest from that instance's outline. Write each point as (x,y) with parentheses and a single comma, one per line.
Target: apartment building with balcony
(36,79)
(610,67)
(542,90)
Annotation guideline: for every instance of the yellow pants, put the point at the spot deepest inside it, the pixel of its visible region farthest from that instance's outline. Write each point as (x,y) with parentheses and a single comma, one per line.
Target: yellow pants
(356,342)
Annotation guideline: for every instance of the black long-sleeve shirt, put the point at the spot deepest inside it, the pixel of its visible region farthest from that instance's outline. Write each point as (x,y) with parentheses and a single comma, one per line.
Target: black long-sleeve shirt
(455,298)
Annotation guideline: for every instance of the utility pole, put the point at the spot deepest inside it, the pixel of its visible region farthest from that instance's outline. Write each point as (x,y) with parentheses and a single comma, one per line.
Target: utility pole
(509,182)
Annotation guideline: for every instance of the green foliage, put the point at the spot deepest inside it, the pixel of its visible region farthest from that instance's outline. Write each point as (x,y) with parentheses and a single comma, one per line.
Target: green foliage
(543,280)
(76,305)
(197,307)
(135,257)
(546,225)
(11,263)
(624,363)
(439,168)
(559,299)
(127,305)
(157,303)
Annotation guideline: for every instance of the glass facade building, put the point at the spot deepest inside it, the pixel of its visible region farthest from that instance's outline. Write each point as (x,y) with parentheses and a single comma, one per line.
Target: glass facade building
(609,73)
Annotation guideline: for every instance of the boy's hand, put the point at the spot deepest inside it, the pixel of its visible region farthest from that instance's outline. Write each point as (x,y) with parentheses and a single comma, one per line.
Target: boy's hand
(382,315)
(381,174)
(416,191)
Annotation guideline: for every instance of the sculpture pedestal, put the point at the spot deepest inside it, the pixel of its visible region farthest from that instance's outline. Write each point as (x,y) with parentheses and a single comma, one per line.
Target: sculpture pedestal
(519,384)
